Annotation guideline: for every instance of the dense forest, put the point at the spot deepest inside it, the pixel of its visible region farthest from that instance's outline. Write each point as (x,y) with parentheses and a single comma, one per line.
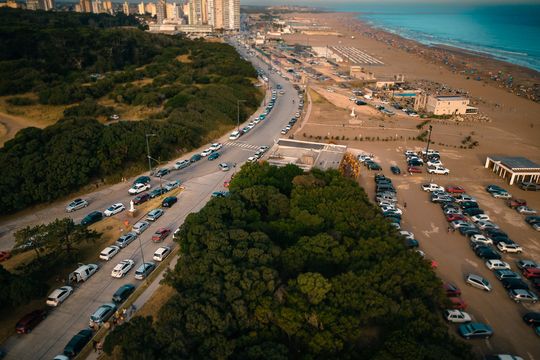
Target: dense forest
(293,265)
(80,60)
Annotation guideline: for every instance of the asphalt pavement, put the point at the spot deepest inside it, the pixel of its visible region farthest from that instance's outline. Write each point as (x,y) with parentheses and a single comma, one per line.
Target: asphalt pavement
(200,180)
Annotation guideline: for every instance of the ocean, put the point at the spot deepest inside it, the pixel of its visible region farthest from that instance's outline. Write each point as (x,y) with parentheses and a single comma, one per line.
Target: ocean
(507,32)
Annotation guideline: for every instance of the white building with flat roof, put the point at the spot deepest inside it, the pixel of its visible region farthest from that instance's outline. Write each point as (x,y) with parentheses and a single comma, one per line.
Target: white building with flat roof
(514,168)
(444,105)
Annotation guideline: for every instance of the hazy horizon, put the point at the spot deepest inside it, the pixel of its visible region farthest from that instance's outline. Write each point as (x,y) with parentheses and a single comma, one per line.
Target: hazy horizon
(317,3)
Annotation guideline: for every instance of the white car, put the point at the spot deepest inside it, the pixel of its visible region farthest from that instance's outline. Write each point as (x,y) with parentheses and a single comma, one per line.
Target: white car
(139,188)
(497,265)
(392,209)
(154,214)
(139,227)
(182,164)
(171,185)
(459,223)
(215,146)
(386,203)
(479,238)
(484,224)
(114,209)
(206,152)
(161,253)
(109,252)
(509,248)
(235,135)
(252,159)
(59,295)
(525,210)
(409,153)
(284,131)
(224,167)
(480,217)
(501,195)
(432,187)
(464,197)
(439,170)
(407,234)
(457,316)
(434,163)
(122,268)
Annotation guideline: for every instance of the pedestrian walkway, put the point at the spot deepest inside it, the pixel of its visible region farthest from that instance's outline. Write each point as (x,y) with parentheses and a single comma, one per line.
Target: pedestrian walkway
(242,145)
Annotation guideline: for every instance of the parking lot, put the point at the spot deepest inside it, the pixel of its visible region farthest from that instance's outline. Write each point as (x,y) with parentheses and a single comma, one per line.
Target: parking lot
(452,252)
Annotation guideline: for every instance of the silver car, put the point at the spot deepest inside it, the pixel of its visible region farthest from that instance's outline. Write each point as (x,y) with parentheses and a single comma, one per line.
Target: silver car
(154,214)
(139,227)
(102,314)
(478,282)
(76,205)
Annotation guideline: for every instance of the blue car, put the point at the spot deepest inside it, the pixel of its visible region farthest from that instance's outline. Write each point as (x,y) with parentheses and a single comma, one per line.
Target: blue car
(213,156)
(475,330)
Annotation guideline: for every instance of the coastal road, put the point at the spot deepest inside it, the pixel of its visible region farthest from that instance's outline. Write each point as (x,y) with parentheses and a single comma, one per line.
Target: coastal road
(200,180)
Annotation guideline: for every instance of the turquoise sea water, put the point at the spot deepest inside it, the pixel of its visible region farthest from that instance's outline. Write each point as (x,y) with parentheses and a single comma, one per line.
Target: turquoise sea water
(506,32)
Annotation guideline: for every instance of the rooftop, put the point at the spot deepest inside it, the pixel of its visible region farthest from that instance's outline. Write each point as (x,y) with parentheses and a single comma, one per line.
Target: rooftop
(516,162)
(450,98)
(306,154)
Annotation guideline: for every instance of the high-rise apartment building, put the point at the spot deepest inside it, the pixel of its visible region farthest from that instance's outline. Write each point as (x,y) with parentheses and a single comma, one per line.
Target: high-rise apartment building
(140,8)
(125,8)
(161,11)
(151,9)
(85,5)
(231,14)
(40,5)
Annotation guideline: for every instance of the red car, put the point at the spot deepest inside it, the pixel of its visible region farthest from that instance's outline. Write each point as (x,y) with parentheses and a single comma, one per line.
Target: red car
(160,234)
(30,321)
(458,303)
(531,272)
(4,255)
(514,203)
(414,169)
(139,199)
(226,183)
(455,189)
(454,217)
(451,290)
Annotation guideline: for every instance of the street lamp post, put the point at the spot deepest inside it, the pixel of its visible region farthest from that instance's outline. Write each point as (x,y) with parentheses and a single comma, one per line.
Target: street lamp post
(238,113)
(148,152)
(429,139)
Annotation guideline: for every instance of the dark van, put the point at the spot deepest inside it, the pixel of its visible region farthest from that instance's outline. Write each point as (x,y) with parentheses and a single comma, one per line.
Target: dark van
(77,343)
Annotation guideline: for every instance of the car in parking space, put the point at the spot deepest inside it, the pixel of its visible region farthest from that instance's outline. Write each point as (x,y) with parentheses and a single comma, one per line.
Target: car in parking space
(29,321)
(162,172)
(414,170)
(114,209)
(475,330)
(195,158)
(161,253)
(102,314)
(478,282)
(464,197)
(529,186)
(126,239)
(453,189)
(169,201)
(469,231)
(458,303)
(171,185)
(157,192)
(140,227)
(432,187)
(506,274)
(455,217)
(391,209)
(484,224)
(78,342)
(534,221)
(141,198)
(109,252)
(224,167)
(92,218)
(513,283)
(142,180)
(123,293)
(487,253)
(161,234)
(514,203)
(438,170)
(451,290)
(524,263)
(406,234)
(494,188)
(479,239)
(374,166)
(144,270)
(521,295)
(501,195)
(497,265)
(215,146)
(457,316)
(472,211)
(395,170)
(480,217)
(155,214)
(459,223)
(434,162)
(59,295)
(214,156)
(535,283)
(411,243)
(138,188)
(532,318)
(525,210)
(220,194)
(531,272)
(76,204)
(122,268)
(468,204)
(182,164)
(509,248)
(206,152)
(415,162)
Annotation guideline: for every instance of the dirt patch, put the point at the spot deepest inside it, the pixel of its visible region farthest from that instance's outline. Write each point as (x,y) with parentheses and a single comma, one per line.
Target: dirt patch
(156,301)
(184,58)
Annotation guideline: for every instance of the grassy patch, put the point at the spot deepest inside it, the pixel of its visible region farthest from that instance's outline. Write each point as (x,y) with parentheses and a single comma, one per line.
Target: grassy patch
(33,115)
(184,58)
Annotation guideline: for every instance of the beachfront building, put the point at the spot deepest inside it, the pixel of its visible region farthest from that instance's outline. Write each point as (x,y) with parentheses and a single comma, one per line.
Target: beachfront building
(514,168)
(444,105)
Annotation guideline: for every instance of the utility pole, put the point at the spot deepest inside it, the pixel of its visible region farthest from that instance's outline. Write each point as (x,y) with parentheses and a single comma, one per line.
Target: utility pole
(148,152)
(429,139)
(238,113)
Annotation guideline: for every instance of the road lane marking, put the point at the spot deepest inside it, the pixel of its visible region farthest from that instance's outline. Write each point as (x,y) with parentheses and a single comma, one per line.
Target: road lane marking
(470,262)
(488,344)
(530,356)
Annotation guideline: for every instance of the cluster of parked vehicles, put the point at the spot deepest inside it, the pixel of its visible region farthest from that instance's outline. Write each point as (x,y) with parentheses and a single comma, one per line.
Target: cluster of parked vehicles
(489,243)
(519,205)
(430,158)
(295,118)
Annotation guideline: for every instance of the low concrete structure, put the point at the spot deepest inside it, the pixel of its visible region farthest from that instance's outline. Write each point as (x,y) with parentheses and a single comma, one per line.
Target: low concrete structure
(514,168)
(305,154)
(444,105)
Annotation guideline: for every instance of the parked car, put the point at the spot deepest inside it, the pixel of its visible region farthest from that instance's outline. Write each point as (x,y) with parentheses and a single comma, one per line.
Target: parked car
(102,314)
(77,343)
(487,253)
(438,170)
(142,180)
(532,318)
(138,188)
(161,253)
(395,170)
(141,198)
(432,187)
(92,218)
(140,227)
(114,209)
(220,194)
(157,192)
(224,167)
(457,316)
(109,252)
(478,282)
(76,205)
(523,264)
(29,321)
(172,185)
(480,217)
(525,210)
(494,188)
(169,201)
(509,248)
(195,158)
(160,234)
(497,265)
(514,283)
(458,303)
(519,295)
(455,189)
(529,186)
(162,172)
(126,239)
(59,295)
(531,272)
(472,211)
(464,197)
(414,170)
(122,268)
(213,156)
(216,146)
(182,164)
(475,330)
(122,293)
(144,270)
(514,203)
(155,214)
(506,274)
(501,195)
